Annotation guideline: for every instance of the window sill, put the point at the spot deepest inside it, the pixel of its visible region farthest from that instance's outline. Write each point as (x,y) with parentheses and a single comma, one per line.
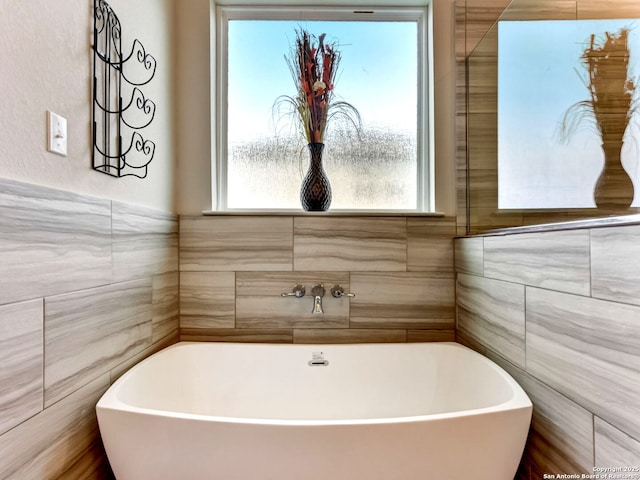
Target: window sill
(331,213)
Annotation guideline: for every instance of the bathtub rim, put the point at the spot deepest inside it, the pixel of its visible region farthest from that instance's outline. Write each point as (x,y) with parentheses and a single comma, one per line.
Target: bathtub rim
(519,400)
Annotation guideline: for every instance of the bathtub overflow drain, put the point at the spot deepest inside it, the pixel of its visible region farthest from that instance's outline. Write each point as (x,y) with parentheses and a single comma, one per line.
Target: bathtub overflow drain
(317,360)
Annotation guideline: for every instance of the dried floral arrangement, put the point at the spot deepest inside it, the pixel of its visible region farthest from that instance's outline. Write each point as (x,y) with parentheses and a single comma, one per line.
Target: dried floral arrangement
(611,104)
(611,107)
(314,64)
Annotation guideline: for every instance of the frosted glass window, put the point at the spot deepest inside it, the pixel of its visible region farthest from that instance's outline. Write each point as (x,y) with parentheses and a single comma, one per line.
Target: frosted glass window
(540,77)
(267,159)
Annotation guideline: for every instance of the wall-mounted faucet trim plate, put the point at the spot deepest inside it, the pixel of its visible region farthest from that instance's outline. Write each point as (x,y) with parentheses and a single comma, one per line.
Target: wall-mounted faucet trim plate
(317,291)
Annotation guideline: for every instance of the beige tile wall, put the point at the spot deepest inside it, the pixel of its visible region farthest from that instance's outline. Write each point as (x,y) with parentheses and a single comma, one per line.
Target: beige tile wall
(559,310)
(88,287)
(233,270)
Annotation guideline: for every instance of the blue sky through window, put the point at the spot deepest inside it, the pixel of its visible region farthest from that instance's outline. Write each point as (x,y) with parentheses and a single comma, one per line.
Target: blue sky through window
(378,72)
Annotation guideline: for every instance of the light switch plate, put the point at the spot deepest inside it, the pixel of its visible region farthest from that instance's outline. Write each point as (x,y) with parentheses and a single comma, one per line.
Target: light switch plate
(56,134)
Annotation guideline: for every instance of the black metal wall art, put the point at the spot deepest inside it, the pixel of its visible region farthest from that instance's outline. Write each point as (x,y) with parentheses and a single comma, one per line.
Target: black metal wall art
(119,149)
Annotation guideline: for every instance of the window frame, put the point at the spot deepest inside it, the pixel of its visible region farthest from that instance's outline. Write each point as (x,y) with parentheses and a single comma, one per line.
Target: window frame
(425,132)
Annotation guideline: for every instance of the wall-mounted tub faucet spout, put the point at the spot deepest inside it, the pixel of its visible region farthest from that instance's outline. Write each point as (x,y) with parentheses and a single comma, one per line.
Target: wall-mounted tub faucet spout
(318,292)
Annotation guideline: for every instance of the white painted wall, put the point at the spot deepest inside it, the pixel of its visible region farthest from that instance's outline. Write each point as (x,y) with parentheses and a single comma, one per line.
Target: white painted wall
(444,92)
(193,105)
(45,64)
(193,76)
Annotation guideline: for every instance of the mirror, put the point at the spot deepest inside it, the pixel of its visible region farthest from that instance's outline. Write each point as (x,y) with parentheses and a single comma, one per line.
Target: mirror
(549,95)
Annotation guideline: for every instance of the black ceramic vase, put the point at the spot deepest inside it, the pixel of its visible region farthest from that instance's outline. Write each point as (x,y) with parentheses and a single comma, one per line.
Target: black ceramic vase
(315,193)
(614,188)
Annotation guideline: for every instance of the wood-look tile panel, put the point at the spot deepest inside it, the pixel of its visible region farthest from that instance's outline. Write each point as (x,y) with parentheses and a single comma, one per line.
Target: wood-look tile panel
(430,244)
(51,241)
(130,362)
(484,194)
(614,270)
(165,305)
(412,300)
(461,173)
(553,260)
(45,446)
(487,46)
(145,242)
(531,217)
(614,448)
(245,335)
(348,335)
(492,312)
(561,430)
(92,465)
(481,15)
(482,94)
(588,350)
(541,10)
(242,243)
(460,14)
(483,197)
(431,335)
(473,344)
(350,244)
(483,148)
(259,303)
(88,332)
(482,219)
(460,116)
(469,255)
(21,327)
(561,436)
(604,9)
(207,299)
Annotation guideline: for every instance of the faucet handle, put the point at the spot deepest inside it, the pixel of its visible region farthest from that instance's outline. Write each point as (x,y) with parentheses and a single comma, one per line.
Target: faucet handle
(298,292)
(337,291)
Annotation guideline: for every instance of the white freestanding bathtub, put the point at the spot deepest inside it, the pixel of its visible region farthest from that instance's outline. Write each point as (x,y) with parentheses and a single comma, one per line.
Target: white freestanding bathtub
(228,411)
